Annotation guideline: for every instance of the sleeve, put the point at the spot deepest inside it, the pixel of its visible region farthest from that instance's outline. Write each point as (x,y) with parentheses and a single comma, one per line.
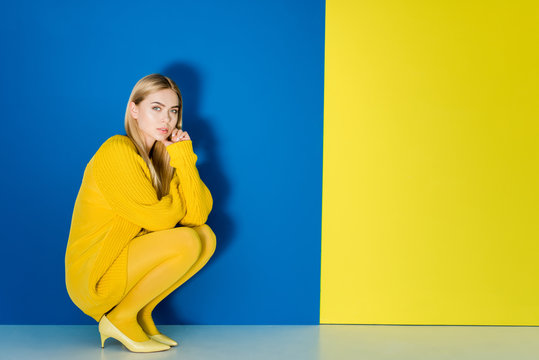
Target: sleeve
(125,181)
(198,199)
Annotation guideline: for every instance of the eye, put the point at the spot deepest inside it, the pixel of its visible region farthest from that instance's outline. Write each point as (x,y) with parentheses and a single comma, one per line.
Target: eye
(156,107)
(175,111)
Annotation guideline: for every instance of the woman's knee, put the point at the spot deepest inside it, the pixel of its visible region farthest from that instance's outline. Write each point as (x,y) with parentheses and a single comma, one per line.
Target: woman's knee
(185,242)
(207,237)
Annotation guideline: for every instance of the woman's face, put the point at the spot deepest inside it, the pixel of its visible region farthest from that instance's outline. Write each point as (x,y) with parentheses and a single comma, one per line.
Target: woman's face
(157,115)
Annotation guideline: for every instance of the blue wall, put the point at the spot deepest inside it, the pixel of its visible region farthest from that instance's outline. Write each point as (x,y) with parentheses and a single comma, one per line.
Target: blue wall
(251,73)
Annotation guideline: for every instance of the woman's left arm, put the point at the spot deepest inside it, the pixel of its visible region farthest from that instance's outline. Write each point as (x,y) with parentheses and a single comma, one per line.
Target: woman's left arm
(198,199)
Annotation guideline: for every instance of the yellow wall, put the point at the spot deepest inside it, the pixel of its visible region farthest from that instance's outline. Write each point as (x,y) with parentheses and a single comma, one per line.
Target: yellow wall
(431,154)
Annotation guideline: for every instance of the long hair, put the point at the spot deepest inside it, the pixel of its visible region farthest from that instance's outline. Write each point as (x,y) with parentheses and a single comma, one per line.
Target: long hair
(158,159)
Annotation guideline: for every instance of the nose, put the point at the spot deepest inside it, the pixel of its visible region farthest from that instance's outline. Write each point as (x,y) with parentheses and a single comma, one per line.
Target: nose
(166,118)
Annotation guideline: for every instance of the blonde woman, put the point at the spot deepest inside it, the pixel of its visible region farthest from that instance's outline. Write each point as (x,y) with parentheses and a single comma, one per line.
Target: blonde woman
(138,228)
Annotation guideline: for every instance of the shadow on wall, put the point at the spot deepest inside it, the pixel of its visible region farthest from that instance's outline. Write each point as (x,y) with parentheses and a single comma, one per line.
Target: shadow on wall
(209,166)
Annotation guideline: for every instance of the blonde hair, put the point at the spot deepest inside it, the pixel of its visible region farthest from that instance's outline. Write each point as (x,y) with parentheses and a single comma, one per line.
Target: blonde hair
(158,158)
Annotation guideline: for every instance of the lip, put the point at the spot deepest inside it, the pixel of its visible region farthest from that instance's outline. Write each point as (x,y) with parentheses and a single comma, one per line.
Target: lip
(163,130)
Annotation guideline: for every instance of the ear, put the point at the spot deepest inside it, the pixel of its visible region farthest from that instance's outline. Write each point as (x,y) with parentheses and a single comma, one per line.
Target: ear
(133,108)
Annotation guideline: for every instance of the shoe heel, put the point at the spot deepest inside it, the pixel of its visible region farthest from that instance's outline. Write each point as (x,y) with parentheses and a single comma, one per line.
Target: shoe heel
(103,338)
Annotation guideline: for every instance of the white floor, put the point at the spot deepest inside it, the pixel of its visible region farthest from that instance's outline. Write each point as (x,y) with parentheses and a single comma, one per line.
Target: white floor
(335,342)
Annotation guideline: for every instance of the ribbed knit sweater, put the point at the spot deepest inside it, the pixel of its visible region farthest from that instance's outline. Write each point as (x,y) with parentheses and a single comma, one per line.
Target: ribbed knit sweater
(116,203)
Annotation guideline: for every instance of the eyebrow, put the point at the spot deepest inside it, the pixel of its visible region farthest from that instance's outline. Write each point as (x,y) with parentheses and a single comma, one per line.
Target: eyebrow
(157,102)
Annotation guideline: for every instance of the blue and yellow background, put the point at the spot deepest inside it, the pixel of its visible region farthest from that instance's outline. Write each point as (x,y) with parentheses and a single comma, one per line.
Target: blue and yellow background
(371,162)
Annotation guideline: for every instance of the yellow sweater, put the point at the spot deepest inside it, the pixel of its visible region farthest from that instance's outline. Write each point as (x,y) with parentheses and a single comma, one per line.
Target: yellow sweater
(117,202)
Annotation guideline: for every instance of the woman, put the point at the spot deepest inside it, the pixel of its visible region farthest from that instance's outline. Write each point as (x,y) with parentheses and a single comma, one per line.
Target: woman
(125,254)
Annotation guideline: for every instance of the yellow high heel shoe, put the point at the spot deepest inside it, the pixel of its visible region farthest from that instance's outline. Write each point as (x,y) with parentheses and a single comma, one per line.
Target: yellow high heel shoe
(107,329)
(163,339)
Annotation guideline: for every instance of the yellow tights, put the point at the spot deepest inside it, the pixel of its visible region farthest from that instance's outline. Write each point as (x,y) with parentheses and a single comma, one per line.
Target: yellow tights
(158,263)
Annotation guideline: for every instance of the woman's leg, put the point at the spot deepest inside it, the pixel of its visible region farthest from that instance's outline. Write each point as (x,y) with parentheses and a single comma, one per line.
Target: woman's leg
(155,262)
(207,239)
